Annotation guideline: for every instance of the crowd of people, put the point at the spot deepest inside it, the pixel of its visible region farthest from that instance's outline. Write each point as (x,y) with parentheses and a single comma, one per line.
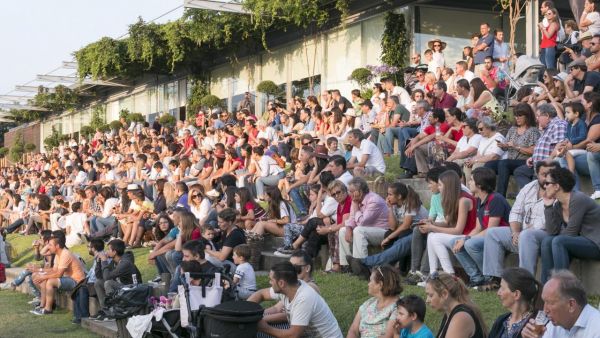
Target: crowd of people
(203,194)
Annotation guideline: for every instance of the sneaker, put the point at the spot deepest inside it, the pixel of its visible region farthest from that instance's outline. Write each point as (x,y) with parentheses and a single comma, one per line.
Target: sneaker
(33,301)
(157,279)
(595,195)
(414,277)
(283,252)
(358,267)
(98,315)
(76,322)
(40,312)
(7,286)
(422,284)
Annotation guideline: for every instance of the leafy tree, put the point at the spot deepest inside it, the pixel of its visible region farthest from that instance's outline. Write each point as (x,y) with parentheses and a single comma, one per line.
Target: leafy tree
(124,113)
(211,101)
(136,117)
(3,152)
(98,117)
(62,98)
(115,125)
(362,76)
(194,102)
(268,88)
(395,43)
(167,120)
(86,131)
(53,140)
(15,154)
(30,147)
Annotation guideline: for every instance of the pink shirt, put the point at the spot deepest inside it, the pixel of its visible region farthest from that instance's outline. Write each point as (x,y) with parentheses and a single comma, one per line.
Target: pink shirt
(371,212)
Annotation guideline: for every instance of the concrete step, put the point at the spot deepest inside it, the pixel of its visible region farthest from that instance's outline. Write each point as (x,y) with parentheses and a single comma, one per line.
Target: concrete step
(268,259)
(272,243)
(103,329)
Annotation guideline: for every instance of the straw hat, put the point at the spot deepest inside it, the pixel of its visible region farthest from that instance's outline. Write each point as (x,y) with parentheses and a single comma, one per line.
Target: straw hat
(430,44)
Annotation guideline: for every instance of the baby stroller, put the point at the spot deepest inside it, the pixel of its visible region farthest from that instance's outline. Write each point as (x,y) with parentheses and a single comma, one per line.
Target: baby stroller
(527,73)
(223,317)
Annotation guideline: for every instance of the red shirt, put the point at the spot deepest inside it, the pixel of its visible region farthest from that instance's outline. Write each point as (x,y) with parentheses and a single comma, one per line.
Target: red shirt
(447,101)
(472,215)
(343,208)
(430,129)
(190,142)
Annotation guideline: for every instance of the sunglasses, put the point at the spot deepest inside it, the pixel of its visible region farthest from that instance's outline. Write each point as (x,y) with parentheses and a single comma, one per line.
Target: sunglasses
(306,143)
(195,195)
(335,194)
(298,268)
(437,45)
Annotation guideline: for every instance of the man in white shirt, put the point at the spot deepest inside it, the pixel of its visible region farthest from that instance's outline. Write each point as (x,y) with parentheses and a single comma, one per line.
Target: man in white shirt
(463,91)
(462,71)
(307,312)
(366,158)
(401,93)
(337,166)
(569,314)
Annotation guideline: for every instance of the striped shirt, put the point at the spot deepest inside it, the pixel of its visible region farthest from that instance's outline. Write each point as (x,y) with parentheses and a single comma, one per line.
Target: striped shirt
(555,132)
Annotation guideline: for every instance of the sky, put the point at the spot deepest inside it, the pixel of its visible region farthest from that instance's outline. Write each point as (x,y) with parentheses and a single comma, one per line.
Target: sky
(36,36)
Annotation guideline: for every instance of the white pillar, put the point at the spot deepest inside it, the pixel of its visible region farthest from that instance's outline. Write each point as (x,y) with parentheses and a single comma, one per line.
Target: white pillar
(531,29)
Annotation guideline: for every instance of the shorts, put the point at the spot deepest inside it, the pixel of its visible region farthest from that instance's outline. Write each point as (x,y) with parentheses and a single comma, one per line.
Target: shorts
(66,284)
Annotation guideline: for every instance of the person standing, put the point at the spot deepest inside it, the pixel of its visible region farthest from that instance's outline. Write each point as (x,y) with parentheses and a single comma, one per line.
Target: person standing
(549,36)
(484,47)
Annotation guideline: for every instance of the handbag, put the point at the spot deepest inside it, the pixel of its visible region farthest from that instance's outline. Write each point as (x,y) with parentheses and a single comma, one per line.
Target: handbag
(203,295)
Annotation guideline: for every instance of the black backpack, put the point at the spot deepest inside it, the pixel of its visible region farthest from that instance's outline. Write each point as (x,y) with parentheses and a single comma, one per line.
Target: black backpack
(128,301)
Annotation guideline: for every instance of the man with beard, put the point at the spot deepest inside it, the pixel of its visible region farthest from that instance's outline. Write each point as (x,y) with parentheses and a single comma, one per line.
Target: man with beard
(527,227)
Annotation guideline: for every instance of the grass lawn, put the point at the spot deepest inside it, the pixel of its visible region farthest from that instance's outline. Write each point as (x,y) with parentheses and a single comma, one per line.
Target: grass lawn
(17,322)
(344,294)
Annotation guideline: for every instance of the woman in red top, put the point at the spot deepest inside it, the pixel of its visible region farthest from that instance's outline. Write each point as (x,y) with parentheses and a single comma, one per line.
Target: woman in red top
(339,192)
(460,213)
(549,30)
(454,118)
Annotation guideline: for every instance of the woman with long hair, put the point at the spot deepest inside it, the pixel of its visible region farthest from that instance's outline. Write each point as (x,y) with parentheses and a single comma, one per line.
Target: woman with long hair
(460,214)
(250,212)
(280,213)
(549,31)
(170,195)
(520,140)
(521,294)
(484,102)
(199,203)
(164,224)
(160,202)
(448,294)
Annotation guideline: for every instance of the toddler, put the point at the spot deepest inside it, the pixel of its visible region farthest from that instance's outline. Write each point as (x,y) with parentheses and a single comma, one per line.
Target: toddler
(244,277)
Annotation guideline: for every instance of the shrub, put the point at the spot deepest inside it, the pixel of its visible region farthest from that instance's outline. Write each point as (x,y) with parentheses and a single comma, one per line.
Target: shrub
(210,101)
(115,125)
(362,76)
(136,117)
(86,131)
(167,120)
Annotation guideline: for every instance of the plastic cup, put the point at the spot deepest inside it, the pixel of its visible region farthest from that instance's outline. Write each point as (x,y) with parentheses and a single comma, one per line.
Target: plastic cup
(541,319)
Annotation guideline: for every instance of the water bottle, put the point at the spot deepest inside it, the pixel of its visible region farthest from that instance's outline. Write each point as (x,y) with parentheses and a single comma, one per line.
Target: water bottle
(438,131)
(134,278)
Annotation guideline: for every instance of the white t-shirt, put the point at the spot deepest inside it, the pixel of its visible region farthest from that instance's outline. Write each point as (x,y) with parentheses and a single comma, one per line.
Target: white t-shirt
(329,208)
(202,210)
(268,134)
(246,275)
(375,156)
(76,222)
(309,309)
(286,210)
(489,146)
(594,17)
(109,206)
(268,166)
(346,177)
(464,143)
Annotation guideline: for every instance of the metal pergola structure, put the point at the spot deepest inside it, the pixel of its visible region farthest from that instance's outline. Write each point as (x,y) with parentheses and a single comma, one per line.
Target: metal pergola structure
(231,6)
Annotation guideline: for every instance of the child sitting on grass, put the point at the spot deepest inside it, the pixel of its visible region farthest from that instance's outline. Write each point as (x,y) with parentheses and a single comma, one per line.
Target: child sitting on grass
(410,318)
(244,277)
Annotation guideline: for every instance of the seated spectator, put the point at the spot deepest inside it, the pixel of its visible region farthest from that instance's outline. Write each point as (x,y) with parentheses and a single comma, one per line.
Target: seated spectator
(399,117)
(373,315)
(553,130)
(279,213)
(463,94)
(366,224)
(521,294)
(462,71)
(192,251)
(307,311)
(520,141)
(488,150)
(405,210)
(244,277)
(483,101)
(493,78)
(460,213)
(337,166)
(268,171)
(422,113)
(565,303)
(421,146)
(120,271)
(366,158)
(165,247)
(454,118)
(442,99)
(580,81)
(571,222)
(527,227)
(468,144)
(63,276)
(410,319)
(492,211)
(77,226)
(250,212)
(449,295)
(231,236)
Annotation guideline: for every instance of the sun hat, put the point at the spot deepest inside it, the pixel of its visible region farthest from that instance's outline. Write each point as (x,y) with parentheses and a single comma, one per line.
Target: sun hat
(430,44)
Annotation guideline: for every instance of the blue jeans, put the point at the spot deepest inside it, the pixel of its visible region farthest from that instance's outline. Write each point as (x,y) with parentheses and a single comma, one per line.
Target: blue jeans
(22,277)
(523,175)
(161,264)
(383,145)
(81,305)
(98,224)
(176,280)
(593,160)
(298,201)
(399,250)
(548,57)
(581,168)
(504,168)
(390,134)
(406,134)
(560,249)
(471,257)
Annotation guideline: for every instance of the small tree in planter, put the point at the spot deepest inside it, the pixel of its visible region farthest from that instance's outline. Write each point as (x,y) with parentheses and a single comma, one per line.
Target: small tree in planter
(362,76)
(136,118)
(124,113)
(269,88)
(30,147)
(115,126)
(53,140)
(167,120)
(211,101)
(3,152)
